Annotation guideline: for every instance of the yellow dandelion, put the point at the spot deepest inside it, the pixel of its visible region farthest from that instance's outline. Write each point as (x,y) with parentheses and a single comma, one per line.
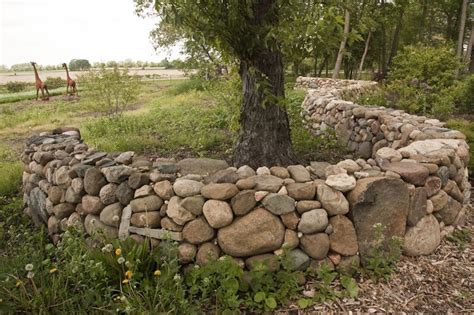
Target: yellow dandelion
(157,273)
(118,251)
(18,283)
(53,270)
(125,281)
(128,274)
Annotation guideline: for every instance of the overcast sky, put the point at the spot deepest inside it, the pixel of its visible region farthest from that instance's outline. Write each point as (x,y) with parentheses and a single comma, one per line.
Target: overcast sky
(56,31)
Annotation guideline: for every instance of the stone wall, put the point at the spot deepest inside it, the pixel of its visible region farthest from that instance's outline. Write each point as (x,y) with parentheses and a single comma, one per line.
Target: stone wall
(321,212)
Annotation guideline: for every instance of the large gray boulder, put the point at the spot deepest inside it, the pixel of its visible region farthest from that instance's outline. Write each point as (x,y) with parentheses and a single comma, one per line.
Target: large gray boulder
(378,200)
(37,204)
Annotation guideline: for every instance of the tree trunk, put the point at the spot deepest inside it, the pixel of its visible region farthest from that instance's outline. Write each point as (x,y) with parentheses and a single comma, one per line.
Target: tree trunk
(383,66)
(264,138)
(315,64)
(468,56)
(342,47)
(324,63)
(462,25)
(421,29)
(396,36)
(362,60)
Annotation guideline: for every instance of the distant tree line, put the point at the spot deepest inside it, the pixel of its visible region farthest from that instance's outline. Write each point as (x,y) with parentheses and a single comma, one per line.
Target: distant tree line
(84,64)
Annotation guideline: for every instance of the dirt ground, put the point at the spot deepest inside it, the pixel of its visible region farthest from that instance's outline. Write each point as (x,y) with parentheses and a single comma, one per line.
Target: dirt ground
(30,77)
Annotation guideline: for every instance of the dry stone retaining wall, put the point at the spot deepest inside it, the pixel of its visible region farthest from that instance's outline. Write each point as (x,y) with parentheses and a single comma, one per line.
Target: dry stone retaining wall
(320,212)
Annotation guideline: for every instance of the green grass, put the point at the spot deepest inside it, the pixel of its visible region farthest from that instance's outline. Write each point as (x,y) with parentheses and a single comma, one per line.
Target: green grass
(194,119)
(27,95)
(78,276)
(10,172)
(190,123)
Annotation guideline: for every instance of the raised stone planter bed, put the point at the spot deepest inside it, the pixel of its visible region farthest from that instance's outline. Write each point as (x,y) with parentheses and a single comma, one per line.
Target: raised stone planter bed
(414,183)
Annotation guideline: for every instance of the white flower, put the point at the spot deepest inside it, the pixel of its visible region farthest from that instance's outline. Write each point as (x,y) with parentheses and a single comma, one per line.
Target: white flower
(128,264)
(377,225)
(121,260)
(29,267)
(177,277)
(108,248)
(30,275)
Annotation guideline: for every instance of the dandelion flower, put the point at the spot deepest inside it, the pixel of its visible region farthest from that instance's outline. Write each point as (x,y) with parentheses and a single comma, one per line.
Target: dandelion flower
(18,283)
(121,260)
(128,274)
(29,267)
(157,273)
(118,251)
(125,281)
(53,270)
(30,275)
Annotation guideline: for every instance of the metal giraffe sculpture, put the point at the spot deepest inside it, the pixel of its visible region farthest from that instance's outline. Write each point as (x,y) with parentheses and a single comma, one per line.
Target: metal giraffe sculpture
(70,82)
(40,85)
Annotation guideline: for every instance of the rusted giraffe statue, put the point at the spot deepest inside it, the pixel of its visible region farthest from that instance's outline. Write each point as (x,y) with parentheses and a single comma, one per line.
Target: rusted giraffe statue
(70,82)
(40,85)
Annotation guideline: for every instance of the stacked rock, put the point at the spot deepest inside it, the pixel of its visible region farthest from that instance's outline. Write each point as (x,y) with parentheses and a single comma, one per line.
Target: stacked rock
(364,129)
(318,213)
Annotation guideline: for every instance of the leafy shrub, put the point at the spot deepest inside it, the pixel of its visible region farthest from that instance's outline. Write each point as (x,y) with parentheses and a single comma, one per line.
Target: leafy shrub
(16,86)
(112,90)
(194,84)
(463,95)
(55,82)
(421,80)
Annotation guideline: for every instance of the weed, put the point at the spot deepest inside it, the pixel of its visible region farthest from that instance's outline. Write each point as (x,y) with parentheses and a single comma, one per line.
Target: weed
(461,238)
(381,261)
(10,178)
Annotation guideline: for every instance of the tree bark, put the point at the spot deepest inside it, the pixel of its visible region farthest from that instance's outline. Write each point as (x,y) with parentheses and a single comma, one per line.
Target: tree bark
(323,64)
(315,64)
(362,60)
(396,36)
(421,29)
(468,56)
(462,25)
(342,47)
(264,138)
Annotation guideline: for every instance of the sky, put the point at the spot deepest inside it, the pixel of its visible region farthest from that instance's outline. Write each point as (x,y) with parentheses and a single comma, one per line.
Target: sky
(51,32)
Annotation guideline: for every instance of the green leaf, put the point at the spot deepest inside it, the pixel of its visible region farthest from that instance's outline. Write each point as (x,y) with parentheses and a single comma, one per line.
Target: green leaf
(304,303)
(350,285)
(271,303)
(259,297)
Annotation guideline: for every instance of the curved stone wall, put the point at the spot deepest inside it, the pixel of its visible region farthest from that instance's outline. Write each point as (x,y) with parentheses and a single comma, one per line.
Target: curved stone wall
(320,212)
